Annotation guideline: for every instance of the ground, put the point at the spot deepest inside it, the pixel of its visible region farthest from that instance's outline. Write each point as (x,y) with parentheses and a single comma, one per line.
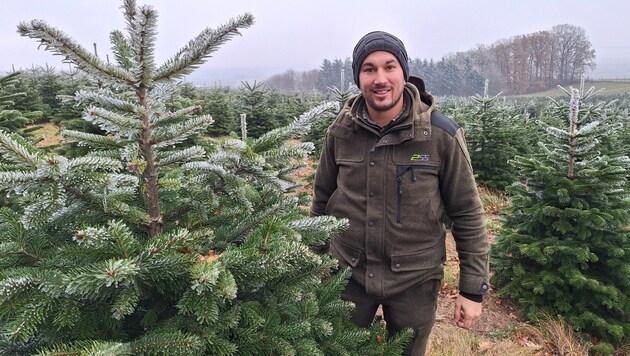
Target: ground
(500,330)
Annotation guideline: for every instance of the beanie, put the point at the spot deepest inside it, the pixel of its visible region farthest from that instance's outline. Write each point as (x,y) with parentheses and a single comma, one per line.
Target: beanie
(379,41)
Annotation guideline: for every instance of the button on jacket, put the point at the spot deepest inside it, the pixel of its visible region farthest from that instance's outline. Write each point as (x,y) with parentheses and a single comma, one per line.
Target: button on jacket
(396,187)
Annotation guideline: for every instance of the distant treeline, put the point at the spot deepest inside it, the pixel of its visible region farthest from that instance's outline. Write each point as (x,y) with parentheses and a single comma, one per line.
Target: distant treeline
(518,65)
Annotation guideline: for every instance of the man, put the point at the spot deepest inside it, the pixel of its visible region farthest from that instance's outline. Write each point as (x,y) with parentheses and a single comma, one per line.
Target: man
(396,169)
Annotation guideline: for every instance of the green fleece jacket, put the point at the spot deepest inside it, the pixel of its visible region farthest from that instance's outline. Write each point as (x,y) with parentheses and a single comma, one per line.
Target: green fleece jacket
(396,187)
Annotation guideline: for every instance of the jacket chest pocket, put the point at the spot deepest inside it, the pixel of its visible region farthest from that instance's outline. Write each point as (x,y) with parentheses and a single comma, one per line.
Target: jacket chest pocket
(417,189)
(349,151)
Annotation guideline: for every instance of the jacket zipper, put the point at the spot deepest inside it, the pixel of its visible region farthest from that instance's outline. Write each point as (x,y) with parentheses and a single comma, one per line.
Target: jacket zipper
(400,170)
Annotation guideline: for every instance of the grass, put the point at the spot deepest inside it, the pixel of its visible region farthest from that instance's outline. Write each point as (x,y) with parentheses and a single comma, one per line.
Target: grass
(521,340)
(493,201)
(562,336)
(610,88)
(46,135)
(445,340)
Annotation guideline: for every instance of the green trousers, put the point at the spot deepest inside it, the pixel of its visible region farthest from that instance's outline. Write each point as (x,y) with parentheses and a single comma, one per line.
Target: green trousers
(414,308)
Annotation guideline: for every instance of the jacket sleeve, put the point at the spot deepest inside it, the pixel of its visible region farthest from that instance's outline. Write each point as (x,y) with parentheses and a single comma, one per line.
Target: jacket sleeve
(463,206)
(325,182)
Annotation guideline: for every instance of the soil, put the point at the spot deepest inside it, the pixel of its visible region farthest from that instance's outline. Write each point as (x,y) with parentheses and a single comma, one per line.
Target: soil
(498,313)
(501,329)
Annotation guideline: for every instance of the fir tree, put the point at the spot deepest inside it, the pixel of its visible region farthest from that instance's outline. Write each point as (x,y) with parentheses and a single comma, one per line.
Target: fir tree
(147,245)
(253,99)
(334,73)
(495,134)
(10,119)
(220,104)
(49,85)
(28,98)
(565,248)
(68,113)
(6,82)
(472,81)
(317,134)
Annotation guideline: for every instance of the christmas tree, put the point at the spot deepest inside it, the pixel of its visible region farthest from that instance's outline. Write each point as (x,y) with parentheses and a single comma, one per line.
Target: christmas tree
(11,119)
(565,248)
(495,134)
(151,244)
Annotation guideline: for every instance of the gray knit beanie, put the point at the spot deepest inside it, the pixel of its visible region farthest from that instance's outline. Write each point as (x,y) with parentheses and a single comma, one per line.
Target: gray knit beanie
(379,41)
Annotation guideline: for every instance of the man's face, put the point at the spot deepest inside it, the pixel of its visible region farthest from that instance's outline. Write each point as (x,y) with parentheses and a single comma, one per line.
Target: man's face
(382,81)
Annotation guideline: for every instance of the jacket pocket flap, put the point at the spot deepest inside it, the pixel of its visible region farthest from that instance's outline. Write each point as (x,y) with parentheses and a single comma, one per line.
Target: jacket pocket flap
(351,255)
(418,261)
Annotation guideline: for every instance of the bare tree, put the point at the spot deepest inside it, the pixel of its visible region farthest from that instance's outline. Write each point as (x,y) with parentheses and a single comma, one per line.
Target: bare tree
(285,82)
(538,46)
(573,50)
(533,61)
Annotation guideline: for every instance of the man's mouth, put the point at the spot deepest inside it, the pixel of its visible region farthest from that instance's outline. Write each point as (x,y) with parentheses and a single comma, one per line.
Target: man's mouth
(380,91)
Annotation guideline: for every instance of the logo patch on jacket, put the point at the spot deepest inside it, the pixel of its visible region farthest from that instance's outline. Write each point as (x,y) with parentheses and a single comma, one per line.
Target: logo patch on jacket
(420,157)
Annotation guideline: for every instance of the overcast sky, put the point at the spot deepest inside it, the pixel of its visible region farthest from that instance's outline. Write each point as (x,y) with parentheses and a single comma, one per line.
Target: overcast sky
(299,34)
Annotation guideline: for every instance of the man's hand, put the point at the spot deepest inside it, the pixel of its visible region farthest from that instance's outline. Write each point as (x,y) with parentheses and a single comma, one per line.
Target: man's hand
(466,312)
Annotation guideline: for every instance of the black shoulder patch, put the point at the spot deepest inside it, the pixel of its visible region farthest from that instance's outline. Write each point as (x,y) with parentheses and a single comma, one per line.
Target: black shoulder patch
(444,122)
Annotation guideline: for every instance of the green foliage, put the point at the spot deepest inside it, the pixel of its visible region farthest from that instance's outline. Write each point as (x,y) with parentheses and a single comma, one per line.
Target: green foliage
(448,77)
(8,82)
(252,99)
(221,104)
(317,134)
(335,73)
(44,95)
(565,246)
(150,244)
(495,134)
(266,110)
(10,119)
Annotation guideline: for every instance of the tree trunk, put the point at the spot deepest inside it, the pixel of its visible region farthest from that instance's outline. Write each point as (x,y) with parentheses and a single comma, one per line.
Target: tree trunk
(156,223)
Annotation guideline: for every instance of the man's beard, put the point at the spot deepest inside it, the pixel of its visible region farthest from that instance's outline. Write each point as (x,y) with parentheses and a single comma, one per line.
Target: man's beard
(381,107)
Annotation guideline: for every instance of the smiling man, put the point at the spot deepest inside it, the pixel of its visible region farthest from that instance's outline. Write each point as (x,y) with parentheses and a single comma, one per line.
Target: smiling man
(396,168)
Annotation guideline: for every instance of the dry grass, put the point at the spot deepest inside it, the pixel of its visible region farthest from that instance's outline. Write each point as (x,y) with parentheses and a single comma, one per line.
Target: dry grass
(46,135)
(562,336)
(498,332)
(492,200)
(522,340)
(447,339)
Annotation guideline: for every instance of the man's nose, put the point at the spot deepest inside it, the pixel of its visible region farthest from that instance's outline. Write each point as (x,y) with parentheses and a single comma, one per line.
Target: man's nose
(380,76)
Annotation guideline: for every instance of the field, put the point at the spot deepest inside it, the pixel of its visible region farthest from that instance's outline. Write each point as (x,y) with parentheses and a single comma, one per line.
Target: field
(610,88)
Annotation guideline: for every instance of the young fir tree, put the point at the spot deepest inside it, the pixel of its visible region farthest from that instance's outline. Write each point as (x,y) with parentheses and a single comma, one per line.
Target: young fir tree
(252,102)
(565,248)
(221,104)
(317,134)
(495,134)
(144,247)
(10,119)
